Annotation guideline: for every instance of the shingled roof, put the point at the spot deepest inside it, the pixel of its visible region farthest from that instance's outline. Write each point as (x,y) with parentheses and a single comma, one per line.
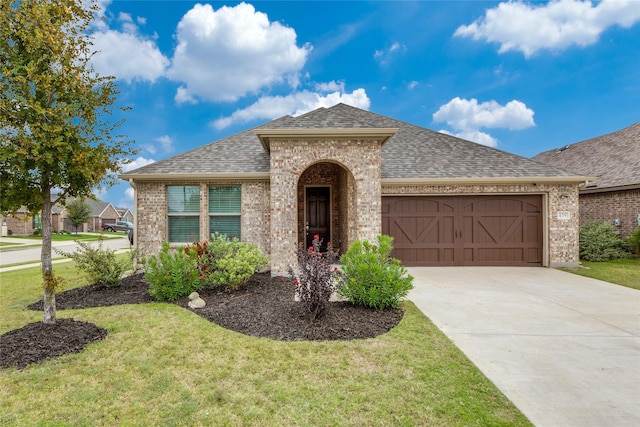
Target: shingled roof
(412,153)
(614,158)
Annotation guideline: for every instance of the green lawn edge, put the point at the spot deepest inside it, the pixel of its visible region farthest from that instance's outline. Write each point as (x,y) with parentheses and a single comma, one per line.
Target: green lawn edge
(164,365)
(623,272)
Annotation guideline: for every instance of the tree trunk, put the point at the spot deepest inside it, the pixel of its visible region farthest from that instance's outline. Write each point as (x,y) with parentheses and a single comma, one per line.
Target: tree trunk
(49,282)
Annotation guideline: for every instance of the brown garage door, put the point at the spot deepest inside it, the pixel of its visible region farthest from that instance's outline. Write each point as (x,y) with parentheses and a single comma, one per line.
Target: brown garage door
(465,230)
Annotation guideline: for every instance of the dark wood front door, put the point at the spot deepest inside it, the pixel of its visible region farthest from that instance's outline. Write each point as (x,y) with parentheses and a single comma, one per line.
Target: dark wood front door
(465,230)
(318,220)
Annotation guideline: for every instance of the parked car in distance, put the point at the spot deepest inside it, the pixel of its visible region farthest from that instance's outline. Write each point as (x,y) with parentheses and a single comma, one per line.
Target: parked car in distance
(118,226)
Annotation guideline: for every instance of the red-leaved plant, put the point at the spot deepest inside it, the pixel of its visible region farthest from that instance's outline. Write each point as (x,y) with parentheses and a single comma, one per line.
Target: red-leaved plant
(316,279)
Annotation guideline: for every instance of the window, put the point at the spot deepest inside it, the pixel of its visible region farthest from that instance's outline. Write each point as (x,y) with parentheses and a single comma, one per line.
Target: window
(37,222)
(224,210)
(183,208)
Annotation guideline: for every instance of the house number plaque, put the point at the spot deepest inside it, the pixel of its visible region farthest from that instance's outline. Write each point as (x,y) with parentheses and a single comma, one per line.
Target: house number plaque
(564,215)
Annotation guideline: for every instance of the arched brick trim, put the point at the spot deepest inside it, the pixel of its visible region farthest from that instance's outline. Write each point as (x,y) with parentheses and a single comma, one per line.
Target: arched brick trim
(291,158)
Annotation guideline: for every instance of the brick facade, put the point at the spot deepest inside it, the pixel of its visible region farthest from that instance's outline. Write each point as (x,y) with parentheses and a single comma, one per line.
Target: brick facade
(18,224)
(152,223)
(278,239)
(561,202)
(360,159)
(610,206)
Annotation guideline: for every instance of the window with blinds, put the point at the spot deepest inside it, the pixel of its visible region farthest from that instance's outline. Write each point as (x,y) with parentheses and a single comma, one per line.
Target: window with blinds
(224,210)
(183,210)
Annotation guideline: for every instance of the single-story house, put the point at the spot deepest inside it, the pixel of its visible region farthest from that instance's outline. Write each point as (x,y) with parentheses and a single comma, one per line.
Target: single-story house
(346,174)
(614,197)
(125,214)
(102,213)
(24,223)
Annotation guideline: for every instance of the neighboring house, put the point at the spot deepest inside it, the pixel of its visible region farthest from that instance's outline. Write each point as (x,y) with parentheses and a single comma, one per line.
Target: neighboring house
(22,223)
(102,213)
(124,214)
(347,174)
(614,197)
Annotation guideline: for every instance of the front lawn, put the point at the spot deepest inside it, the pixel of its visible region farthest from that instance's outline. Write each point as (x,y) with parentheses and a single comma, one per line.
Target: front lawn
(164,365)
(625,272)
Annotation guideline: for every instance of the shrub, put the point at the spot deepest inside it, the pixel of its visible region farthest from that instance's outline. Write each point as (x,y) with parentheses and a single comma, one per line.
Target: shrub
(372,277)
(634,241)
(99,264)
(171,274)
(228,262)
(37,232)
(316,280)
(599,242)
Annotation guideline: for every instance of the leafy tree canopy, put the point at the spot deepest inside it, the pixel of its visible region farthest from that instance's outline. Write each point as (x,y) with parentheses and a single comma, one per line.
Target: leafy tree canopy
(55,125)
(79,212)
(56,130)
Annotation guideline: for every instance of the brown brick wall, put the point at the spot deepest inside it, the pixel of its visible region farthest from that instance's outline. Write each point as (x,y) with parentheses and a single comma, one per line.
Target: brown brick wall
(19,224)
(151,213)
(609,206)
(291,158)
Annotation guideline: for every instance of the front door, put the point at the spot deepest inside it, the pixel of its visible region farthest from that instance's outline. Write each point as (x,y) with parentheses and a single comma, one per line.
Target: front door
(318,214)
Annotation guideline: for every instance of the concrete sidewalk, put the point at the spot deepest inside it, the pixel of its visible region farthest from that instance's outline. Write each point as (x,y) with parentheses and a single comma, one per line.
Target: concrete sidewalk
(563,348)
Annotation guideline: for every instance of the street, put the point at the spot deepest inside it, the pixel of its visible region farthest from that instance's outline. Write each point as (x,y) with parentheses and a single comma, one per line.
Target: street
(32,253)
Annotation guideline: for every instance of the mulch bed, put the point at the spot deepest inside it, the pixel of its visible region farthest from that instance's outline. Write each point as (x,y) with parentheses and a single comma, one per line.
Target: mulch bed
(263,307)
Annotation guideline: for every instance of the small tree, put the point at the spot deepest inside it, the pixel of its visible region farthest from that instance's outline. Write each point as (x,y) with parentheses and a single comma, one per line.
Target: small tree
(54,126)
(79,212)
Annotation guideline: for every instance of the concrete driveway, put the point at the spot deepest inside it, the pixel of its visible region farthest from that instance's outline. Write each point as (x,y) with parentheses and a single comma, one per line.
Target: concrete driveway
(564,349)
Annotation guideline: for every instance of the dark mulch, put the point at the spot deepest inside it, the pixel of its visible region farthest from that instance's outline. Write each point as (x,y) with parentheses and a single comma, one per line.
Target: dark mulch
(263,307)
(36,342)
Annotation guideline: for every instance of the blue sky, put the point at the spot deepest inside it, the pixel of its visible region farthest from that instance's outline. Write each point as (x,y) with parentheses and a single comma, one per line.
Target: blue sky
(523,77)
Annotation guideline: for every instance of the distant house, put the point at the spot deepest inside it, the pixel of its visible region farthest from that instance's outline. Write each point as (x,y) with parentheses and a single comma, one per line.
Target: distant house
(614,197)
(20,223)
(125,214)
(102,213)
(346,174)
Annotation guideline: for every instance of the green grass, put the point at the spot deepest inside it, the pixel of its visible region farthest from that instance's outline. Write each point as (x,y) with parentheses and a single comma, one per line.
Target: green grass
(625,272)
(163,365)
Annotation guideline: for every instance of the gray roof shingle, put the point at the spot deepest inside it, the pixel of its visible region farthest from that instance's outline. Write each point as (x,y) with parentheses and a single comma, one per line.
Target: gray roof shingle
(614,158)
(413,152)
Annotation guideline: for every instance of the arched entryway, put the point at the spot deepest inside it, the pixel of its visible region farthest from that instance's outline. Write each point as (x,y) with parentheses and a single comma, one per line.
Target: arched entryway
(326,205)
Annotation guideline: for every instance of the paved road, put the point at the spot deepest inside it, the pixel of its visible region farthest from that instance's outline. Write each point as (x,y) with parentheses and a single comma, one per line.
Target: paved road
(16,256)
(564,348)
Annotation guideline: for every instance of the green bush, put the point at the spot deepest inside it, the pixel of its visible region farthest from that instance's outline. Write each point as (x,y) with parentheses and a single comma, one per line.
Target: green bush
(634,241)
(37,232)
(599,242)
(171,274)
(372,277)
(229,262)
(100,265)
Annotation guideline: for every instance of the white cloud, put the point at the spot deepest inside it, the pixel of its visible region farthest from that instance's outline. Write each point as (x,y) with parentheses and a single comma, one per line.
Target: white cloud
(162,143)
(137,163)
(518,26)
(331,86)
(129,192)
(295,104)
(412,85)
(142,60)
(468,116)
(386,56)
(233,51)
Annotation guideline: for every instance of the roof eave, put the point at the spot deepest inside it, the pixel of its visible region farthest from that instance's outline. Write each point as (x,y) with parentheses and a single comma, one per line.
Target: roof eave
(175,177)
(526,180)
(383,134)
(590,190)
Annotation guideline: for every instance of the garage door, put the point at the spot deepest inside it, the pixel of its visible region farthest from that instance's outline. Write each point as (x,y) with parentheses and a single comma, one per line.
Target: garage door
(465,230)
